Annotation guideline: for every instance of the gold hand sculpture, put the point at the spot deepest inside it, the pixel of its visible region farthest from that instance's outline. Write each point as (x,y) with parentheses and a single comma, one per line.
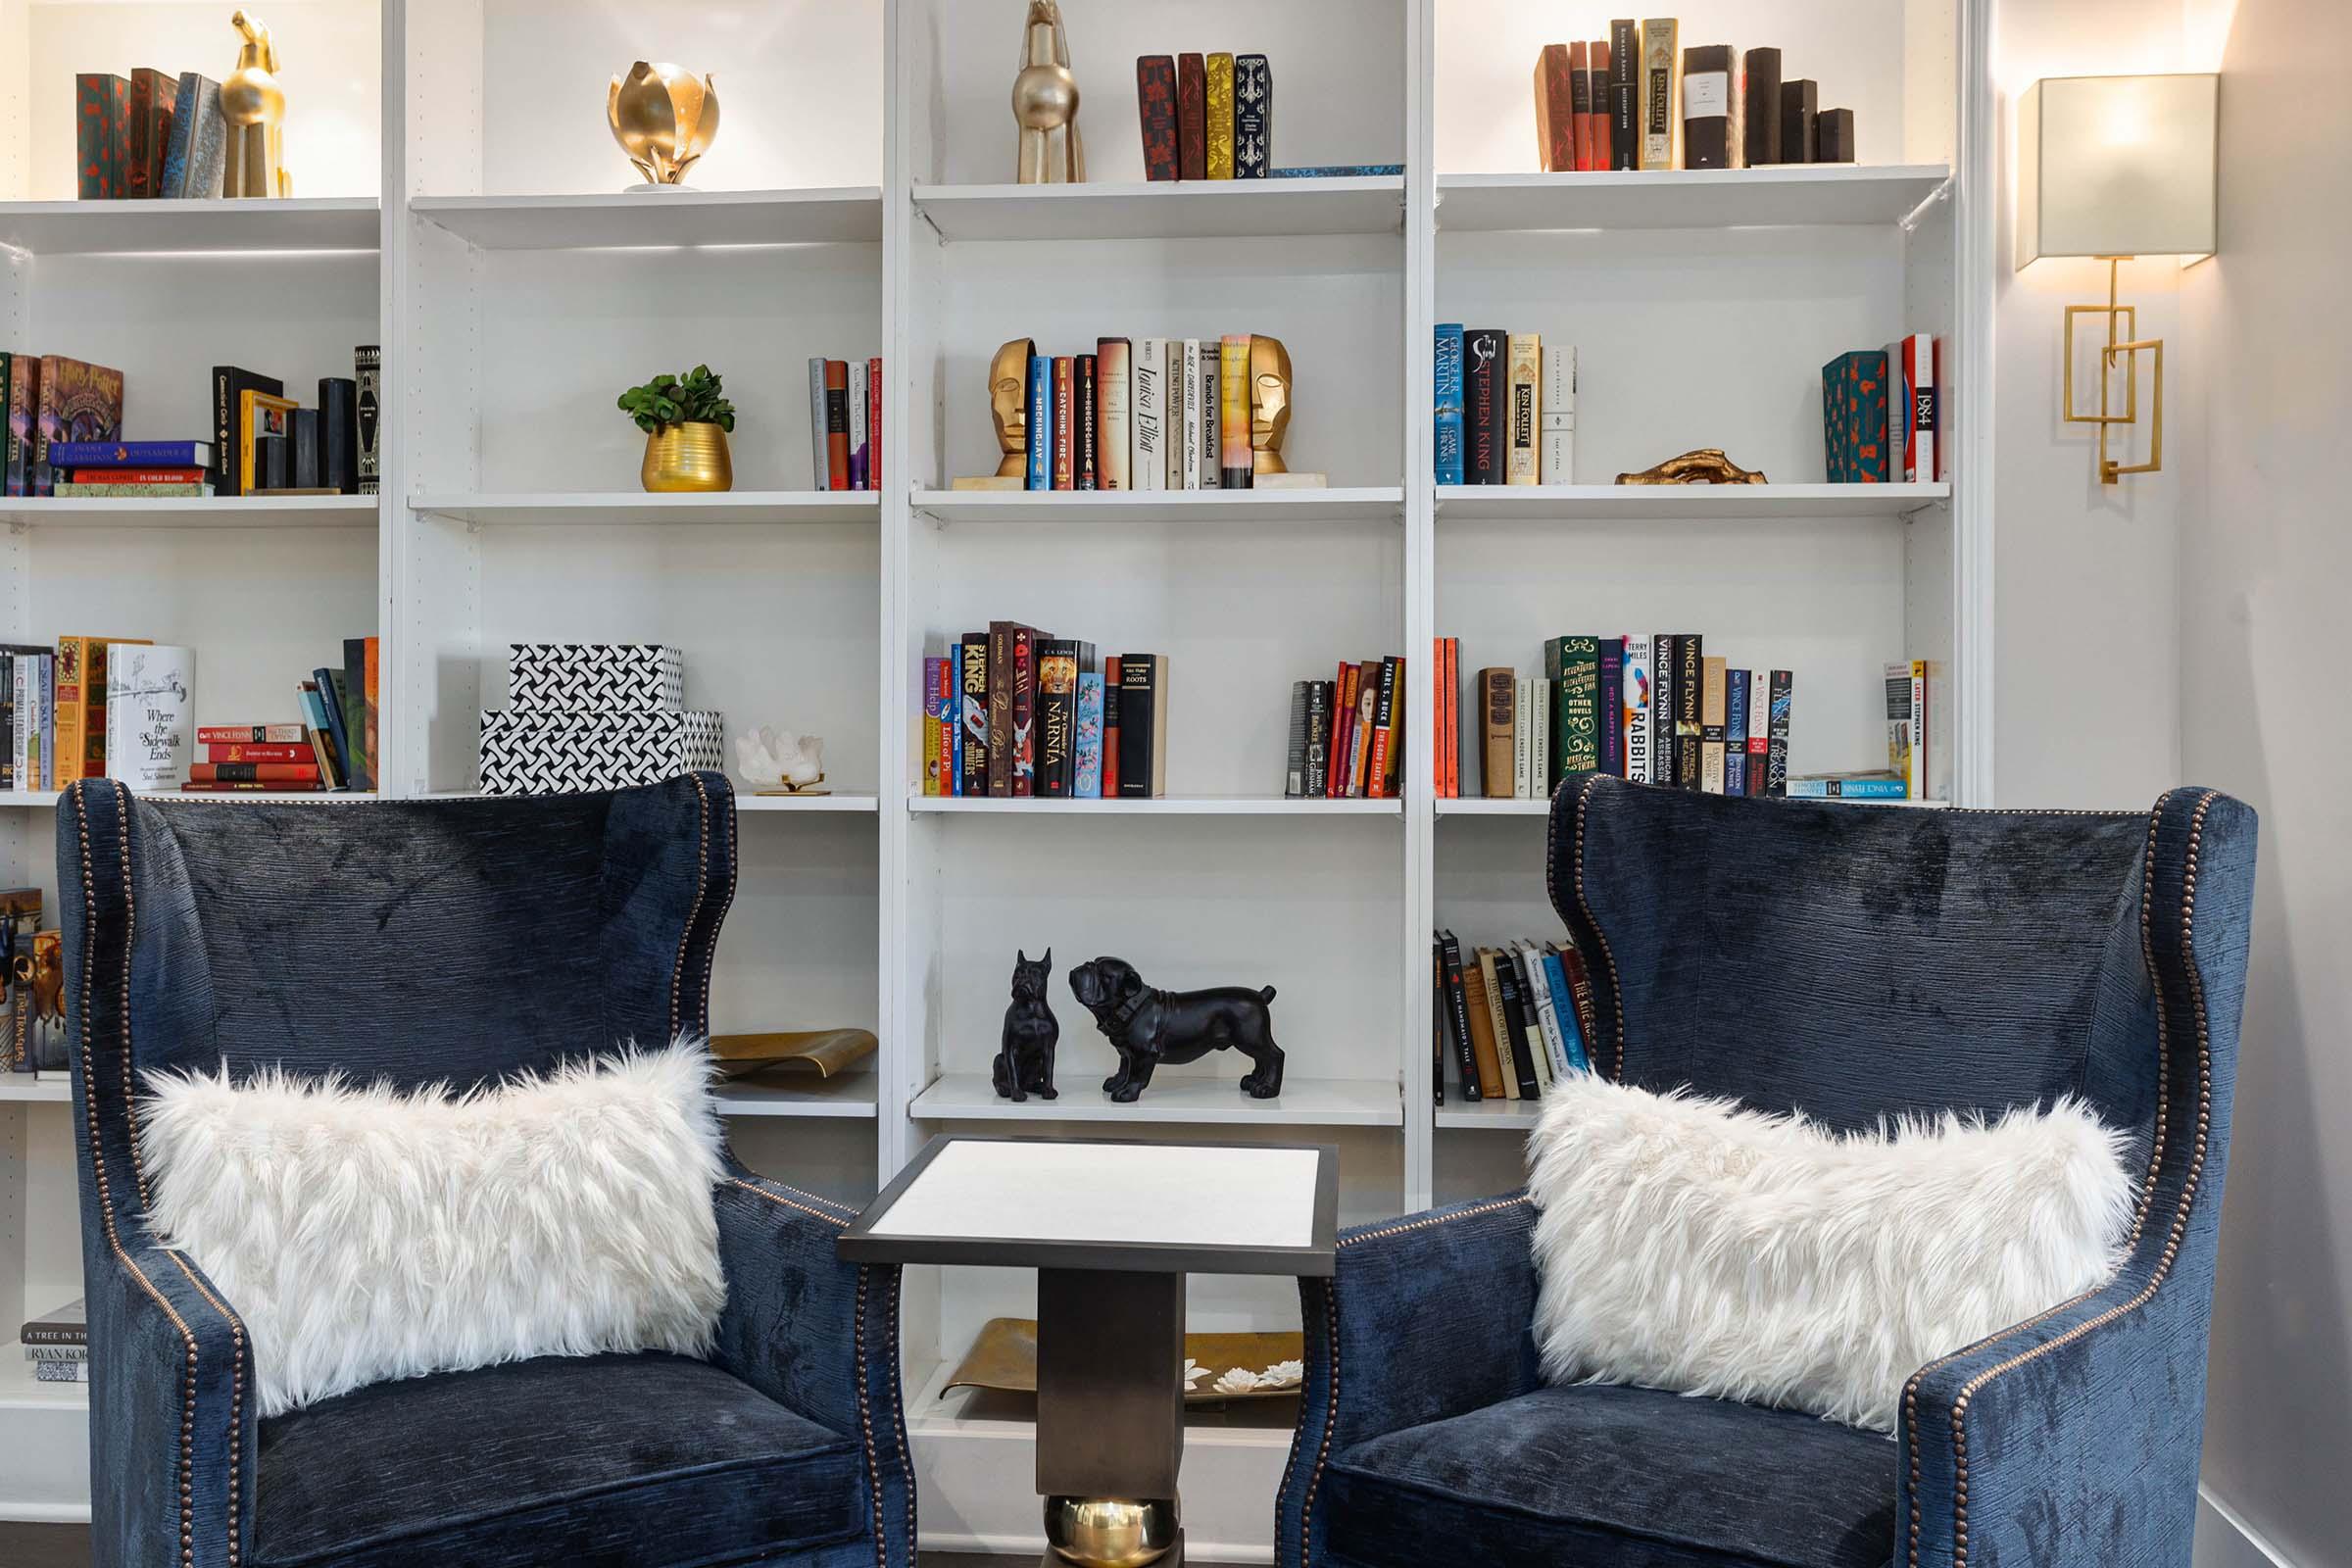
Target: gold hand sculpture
(1270,404)
(1045,101)
(1009,405)
(663,119)
(1701,465)
(255,107)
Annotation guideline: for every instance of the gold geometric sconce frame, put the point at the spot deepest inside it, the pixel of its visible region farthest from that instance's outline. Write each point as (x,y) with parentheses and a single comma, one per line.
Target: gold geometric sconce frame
(2124,348)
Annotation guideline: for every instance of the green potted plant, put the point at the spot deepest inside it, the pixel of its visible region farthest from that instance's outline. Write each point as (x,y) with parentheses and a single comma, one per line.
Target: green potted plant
(685,419)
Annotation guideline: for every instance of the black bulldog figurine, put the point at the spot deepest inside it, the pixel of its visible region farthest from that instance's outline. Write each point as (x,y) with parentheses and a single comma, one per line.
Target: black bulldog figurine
(1024,1064)
(1148,1026)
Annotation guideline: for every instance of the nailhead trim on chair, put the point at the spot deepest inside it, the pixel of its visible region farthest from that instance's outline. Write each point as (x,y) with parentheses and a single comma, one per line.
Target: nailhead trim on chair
(701,881)
(2173,1239)
(1550,859)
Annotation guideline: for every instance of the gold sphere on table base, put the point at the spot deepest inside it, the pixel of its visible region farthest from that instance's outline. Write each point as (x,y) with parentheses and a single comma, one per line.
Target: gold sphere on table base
(1111,1532)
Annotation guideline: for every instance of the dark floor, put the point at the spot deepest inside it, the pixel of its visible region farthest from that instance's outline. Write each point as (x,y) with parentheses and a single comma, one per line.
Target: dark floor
(69,1546)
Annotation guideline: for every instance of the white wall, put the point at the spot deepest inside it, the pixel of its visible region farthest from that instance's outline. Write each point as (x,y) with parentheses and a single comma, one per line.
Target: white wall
(2085,710)
(2265,558)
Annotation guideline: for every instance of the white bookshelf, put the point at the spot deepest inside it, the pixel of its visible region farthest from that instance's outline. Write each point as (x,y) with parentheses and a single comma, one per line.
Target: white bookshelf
(461,206)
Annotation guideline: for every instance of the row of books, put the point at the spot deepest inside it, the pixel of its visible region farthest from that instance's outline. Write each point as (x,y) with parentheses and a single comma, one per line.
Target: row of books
(149,135)
(57,1344)
(1506,408)
(1882,413)
(1509,1019)
(1014,712)
(1141,413)
(1655,709)
(1347,733)
(845,424)
(333,747)
(64,434)
(1630,101)
(1205,116)
(92,708)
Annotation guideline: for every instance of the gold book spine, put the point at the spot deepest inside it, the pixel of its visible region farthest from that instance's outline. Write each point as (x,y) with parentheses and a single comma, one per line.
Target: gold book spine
(1661,93)
(1235,465)
(1524,404)
(1220,117)
(1712,701)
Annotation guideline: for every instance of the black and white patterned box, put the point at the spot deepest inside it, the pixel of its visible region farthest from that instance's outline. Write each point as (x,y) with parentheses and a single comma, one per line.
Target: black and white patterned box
(527,752)
(601,677)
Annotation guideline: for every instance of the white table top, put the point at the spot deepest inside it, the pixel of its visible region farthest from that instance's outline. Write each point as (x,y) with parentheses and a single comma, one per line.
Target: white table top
(1211,1208)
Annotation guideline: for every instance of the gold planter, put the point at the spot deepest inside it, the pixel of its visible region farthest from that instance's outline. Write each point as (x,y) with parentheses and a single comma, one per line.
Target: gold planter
(1110,1532)
(687,457)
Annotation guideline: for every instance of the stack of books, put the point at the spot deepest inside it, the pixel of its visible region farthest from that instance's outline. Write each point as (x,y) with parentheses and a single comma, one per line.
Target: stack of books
(1655,709)
(1014,712)
(58,1345)
(1506,408)
(149,135)
(1205,116)
(1510,1018)
(845,424)
(333,747)
(1347,734)
(132,468)
(1634,100)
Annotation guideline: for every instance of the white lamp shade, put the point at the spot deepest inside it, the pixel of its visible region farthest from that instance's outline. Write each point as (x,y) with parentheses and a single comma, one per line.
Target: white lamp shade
(2115,166)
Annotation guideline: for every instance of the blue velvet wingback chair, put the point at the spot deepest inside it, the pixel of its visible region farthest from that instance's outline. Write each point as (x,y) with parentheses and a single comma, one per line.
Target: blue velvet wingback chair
(456,941)
(1856,963)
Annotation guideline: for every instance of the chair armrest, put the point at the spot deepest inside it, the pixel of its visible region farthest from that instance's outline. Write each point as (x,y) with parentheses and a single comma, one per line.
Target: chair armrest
(1426,1317)
(171,1408)
(818,1336)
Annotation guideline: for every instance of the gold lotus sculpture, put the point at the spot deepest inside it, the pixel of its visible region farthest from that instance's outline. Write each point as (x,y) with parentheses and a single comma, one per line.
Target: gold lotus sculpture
(663,119)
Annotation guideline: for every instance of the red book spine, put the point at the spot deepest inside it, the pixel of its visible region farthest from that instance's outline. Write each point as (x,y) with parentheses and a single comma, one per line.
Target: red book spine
(873,423)
(265,751)
(253,772)
(1065,424)
(1192,118)
(1556,112)
(1155,102)
(1111,727)
(141,475)
(249,734)
(238,786)
(1343,730)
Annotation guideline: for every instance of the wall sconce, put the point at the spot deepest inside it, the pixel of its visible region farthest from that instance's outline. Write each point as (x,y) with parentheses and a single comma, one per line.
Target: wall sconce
(2117,168)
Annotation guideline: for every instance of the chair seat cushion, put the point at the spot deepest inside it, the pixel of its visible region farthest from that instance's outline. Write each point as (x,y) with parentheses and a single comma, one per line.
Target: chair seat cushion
(1598,1476)
(603,1461)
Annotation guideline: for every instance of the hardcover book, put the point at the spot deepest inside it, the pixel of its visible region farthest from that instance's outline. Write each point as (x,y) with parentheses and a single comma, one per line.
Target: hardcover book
(1518,1075)
(999,709)
(1759,730)
(360,674)
(230,386)
(1556,411)
(273,773)
(110,457)
(78,706)
(197,148)
(1294,766)
(1776,755)
(1457,1013)
(1110,726)
(1188,442)
(1085,457)
(1556,109)
(150,716)
(1040,426)
(19,406)
(1498,704)
(1316,779)
(1066,423)
(1594,124)
(1486,1056)
(971,715)
(1024,711)
(1114,411)
(1446,391)
(1634,717)
(1662,708)
(873,422)
(77,402)
(1175,412)
(1662,94)
(1579,105)
(854,401)
(1760,108)
(1088,783)
(368,369)
(1341,774)
(1906,725)
(1708,139)
(1253,116)
(1712,714)
(1624,94)
(1367,720)
(1856,426)
(1155,104)
(1529,1058)
(101,135)
(1143,725)
(1734,732)
(1207,411)
(837,424)
(820,463)
(1192,118)
(150,114)
(1057,718)
(1608,712)
(1846,786)
(1801,109)
(1522,410)
(1912,456)
(1148,388)
(1690,703)
(1483,375)
(1220,116)
(132,487)
(1380,767)
(1576,730)
(1237,464)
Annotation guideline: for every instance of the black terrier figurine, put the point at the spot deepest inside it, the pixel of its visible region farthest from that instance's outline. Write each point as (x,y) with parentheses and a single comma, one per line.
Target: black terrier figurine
(1024,1064)
(1148,1026)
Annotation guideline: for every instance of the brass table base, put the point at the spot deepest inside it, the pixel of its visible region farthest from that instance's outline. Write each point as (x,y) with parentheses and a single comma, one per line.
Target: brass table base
(1110,1416)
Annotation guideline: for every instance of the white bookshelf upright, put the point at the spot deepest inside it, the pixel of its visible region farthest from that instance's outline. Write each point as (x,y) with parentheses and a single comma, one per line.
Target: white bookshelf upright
(461,205)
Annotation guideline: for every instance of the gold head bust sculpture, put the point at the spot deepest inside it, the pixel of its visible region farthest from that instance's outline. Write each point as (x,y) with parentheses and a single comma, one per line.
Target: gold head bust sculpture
(1009,405)
(1270,404)
(663,118)
(1045,101)
(254,106)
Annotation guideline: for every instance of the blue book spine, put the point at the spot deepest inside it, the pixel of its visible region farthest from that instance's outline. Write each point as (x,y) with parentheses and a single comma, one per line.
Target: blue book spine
(334,719)
(951,715)
(1847,789)
(1734,732)
(1448,395)
(130,454)
(1041,422)
(314,714)
(1090,736)
(1563,997)
(1338,172)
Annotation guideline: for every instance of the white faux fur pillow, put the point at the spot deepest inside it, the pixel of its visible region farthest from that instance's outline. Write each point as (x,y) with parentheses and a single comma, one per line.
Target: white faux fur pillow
(1684,1244)
(366,1234)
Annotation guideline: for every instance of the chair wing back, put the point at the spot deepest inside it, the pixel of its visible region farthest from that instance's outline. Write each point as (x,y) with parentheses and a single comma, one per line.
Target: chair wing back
(414,941)
(1858,963)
